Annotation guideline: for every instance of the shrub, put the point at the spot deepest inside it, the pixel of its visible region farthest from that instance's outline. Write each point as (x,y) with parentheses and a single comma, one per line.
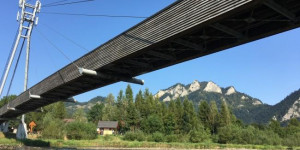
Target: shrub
(53,128)
(129,136)
(292,140)
(157,137)
(200,135)
(132,136)
(81,131)
(171,138)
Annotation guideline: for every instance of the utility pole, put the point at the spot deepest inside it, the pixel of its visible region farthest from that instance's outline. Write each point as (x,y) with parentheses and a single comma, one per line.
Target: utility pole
(27,18)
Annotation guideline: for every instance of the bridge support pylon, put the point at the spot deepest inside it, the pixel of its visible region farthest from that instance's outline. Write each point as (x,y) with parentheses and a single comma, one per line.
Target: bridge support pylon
(22,130)
(4,127)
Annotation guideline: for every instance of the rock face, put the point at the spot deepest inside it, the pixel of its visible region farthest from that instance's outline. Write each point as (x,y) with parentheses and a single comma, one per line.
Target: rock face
(257,102)
(194,86)
(293,112)
(230,91)
(212,87)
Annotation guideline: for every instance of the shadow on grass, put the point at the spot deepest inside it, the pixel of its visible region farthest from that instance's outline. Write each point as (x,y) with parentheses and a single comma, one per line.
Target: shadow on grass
(28,142)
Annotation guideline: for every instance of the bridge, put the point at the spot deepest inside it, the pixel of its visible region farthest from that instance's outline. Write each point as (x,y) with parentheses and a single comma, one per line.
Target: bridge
(185,30)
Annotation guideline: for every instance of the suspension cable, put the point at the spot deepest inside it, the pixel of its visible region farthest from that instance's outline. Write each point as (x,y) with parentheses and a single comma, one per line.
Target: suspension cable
(65,37)
(59,50)
(10,53)
(93,15)
(16,66)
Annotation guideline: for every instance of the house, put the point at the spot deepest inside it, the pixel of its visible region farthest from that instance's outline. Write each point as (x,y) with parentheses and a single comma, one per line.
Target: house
(107,127)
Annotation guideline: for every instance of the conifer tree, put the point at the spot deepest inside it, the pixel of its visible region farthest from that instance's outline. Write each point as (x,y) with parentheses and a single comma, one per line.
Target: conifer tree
(178,116)
(225,116)
(213,117)
(203,113)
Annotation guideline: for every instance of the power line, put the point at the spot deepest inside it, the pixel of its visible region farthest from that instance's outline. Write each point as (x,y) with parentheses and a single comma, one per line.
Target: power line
(55,2)
(65,37)
(59,50)
(92,15)
(69,3)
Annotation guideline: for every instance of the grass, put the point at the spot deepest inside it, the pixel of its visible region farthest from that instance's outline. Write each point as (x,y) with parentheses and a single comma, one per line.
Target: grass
(117,142)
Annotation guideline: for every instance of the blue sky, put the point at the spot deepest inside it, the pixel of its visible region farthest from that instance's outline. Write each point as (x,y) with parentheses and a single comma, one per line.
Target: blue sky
(267,69)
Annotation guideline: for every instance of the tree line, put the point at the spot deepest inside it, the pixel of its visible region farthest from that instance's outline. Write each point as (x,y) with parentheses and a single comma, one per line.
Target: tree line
(144,117)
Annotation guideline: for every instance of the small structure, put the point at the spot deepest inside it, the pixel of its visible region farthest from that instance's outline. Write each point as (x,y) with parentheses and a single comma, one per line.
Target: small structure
(107,127)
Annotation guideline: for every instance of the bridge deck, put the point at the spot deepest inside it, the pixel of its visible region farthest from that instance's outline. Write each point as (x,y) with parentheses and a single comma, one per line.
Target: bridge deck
(185,30)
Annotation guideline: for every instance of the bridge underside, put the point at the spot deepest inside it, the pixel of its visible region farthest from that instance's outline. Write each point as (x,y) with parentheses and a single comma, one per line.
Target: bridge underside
(183,31)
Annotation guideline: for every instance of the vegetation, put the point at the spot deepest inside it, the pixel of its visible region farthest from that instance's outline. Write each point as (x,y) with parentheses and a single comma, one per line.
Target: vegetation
(145,121)
(80,130)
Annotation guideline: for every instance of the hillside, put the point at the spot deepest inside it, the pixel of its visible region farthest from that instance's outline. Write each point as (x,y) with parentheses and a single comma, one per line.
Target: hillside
(245,107)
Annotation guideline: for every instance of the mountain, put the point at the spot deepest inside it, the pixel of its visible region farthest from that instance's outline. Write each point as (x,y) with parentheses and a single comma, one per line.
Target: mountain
(71,107)
(245,107)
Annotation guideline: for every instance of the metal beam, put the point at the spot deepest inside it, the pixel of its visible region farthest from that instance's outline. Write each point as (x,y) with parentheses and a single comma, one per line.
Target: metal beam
(161,55)
(278,8)
(227,30)
(112,77)
(141,64)
(189,44)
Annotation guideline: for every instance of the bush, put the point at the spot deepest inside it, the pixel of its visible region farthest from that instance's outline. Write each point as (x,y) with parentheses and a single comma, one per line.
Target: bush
(81,131)
(157,137)
(171,138)
(132,136)
(200,135)
(292,140)
(53,128)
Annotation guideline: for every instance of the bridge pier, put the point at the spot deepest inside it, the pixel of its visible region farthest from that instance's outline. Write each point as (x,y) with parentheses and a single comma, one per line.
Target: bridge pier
(22,129)
(4,127)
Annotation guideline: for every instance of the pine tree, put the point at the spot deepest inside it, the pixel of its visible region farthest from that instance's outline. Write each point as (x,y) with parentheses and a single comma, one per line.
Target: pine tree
(213,117)
(203,113)
(178,116)
(225,116)
(109,112)
(132,117)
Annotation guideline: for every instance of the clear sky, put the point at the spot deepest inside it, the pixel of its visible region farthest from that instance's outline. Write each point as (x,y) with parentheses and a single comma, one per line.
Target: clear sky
(267,69)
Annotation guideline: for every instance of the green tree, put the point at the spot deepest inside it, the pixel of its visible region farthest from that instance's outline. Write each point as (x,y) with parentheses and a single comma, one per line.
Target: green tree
(95,114)
(7,99)
(178,116)
(203,113)
(189,116)
(80,115)
(152,124)
(225,116)
(169,123)
(109,112)
(213,117)
(59,110)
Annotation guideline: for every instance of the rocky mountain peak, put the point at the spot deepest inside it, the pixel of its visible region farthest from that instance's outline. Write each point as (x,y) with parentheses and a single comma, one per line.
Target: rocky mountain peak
(194,86)
(230,90)
(293,112)
(212,87)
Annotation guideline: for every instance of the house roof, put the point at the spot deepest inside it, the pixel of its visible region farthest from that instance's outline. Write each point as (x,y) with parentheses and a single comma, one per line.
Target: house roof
(107,124)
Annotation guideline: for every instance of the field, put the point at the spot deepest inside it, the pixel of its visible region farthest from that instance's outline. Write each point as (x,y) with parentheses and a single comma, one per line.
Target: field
(117,142)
